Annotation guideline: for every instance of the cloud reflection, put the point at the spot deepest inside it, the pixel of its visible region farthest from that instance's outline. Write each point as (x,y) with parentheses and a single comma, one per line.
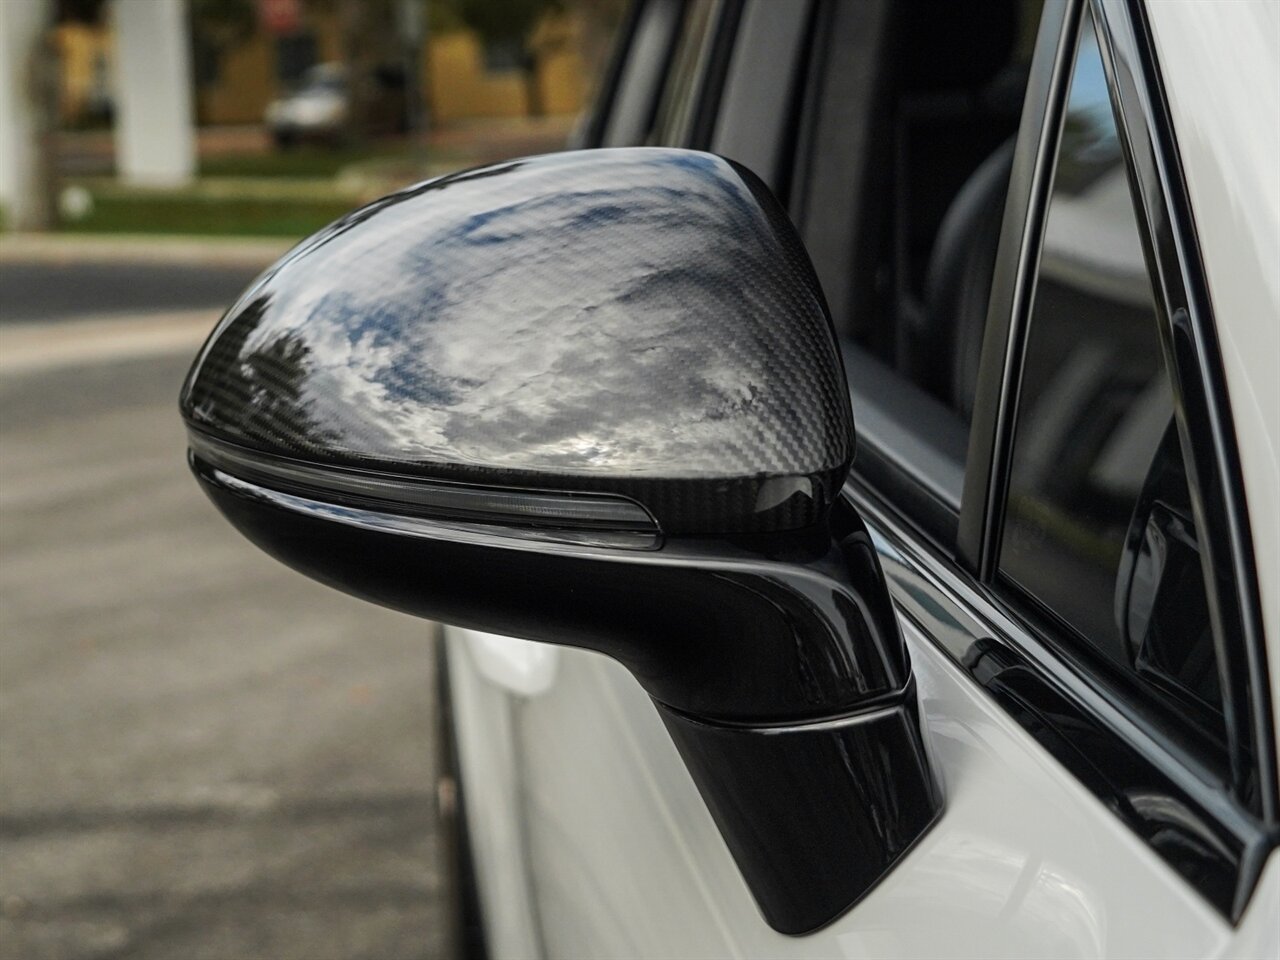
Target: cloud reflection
(629,312)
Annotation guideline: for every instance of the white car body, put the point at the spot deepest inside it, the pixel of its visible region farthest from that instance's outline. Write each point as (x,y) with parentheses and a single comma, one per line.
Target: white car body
(591,839)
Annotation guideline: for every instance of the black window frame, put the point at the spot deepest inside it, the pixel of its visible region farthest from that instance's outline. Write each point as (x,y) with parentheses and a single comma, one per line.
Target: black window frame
(1202,406)
(1202,411)
(758,104)
(698,106)
(1200,732)
(605,104)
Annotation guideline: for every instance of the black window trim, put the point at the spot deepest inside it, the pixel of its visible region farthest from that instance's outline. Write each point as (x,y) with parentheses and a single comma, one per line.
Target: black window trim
(709,86)
(710,68)
(1202,407)
(1030,179)
(1201,403)
(1211,750)
(1155,789)
(603,102)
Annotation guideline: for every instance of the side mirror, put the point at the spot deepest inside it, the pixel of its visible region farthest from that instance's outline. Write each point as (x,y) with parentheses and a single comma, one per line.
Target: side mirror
(595,399)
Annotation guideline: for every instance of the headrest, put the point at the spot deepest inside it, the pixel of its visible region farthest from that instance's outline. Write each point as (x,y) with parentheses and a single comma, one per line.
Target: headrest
(948,44)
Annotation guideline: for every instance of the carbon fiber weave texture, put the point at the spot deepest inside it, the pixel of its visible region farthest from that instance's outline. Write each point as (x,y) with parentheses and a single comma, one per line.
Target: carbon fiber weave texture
(639,321)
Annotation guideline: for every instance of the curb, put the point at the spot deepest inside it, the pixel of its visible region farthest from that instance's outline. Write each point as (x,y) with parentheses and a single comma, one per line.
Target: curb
(134,248)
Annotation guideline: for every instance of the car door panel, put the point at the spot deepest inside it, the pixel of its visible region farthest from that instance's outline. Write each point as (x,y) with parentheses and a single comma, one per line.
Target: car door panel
(488,763)
(522,667)
(622,858)
(1258,934)
(625,861)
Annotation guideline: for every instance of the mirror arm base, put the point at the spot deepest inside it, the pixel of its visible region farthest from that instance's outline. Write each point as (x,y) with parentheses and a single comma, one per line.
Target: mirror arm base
(815,814)
(814,811)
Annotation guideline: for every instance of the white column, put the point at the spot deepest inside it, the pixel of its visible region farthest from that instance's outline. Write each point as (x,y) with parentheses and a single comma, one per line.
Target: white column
(21,182)
(154,125)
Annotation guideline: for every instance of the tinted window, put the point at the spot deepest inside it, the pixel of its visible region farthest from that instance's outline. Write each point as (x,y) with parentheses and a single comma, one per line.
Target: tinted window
(1098,525)
(909,115)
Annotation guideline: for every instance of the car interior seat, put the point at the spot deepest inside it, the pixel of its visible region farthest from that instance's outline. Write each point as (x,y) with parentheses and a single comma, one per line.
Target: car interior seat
(958,283)
(957,110)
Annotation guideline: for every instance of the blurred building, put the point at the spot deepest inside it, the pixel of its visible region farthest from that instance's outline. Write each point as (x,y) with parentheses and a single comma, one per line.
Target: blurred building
(84,81)
(461,79)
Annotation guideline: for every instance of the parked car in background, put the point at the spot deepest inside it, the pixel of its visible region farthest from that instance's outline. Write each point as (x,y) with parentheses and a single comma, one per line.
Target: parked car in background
(1001,685)
(316,110)
(319,109)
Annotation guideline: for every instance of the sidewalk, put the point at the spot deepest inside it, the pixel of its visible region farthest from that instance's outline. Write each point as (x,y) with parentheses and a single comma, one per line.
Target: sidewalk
(27,348)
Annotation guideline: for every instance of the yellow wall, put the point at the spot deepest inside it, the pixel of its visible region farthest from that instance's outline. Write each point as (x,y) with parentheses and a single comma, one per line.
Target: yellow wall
(461,88)
(246,84)
(79,48)
(562,72)
(458,86)
(247,74)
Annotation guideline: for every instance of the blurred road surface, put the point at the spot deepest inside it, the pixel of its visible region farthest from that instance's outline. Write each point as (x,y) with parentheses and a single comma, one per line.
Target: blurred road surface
(58,291)
(202,754)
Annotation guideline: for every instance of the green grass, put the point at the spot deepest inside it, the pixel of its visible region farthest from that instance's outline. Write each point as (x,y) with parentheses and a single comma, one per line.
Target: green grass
(305,161)
(185,213)
(280,194)
(310,161)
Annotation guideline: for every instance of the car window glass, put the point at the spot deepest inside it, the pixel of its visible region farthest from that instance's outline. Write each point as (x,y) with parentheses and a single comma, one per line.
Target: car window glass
(679,94)
(1098,527)
(910,114)
(928,135)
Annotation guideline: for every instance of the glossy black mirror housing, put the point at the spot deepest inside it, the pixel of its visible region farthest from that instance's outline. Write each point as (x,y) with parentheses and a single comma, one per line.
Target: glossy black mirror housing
(596,399)
(622,350)
(639,322)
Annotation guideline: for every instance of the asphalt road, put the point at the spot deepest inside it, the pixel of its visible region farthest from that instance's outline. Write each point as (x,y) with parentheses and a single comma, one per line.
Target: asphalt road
(202,754)
(44,291)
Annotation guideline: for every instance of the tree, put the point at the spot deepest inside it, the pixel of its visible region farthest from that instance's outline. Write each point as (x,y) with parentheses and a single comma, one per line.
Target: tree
(217,27)
(511,22)
(600,22)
